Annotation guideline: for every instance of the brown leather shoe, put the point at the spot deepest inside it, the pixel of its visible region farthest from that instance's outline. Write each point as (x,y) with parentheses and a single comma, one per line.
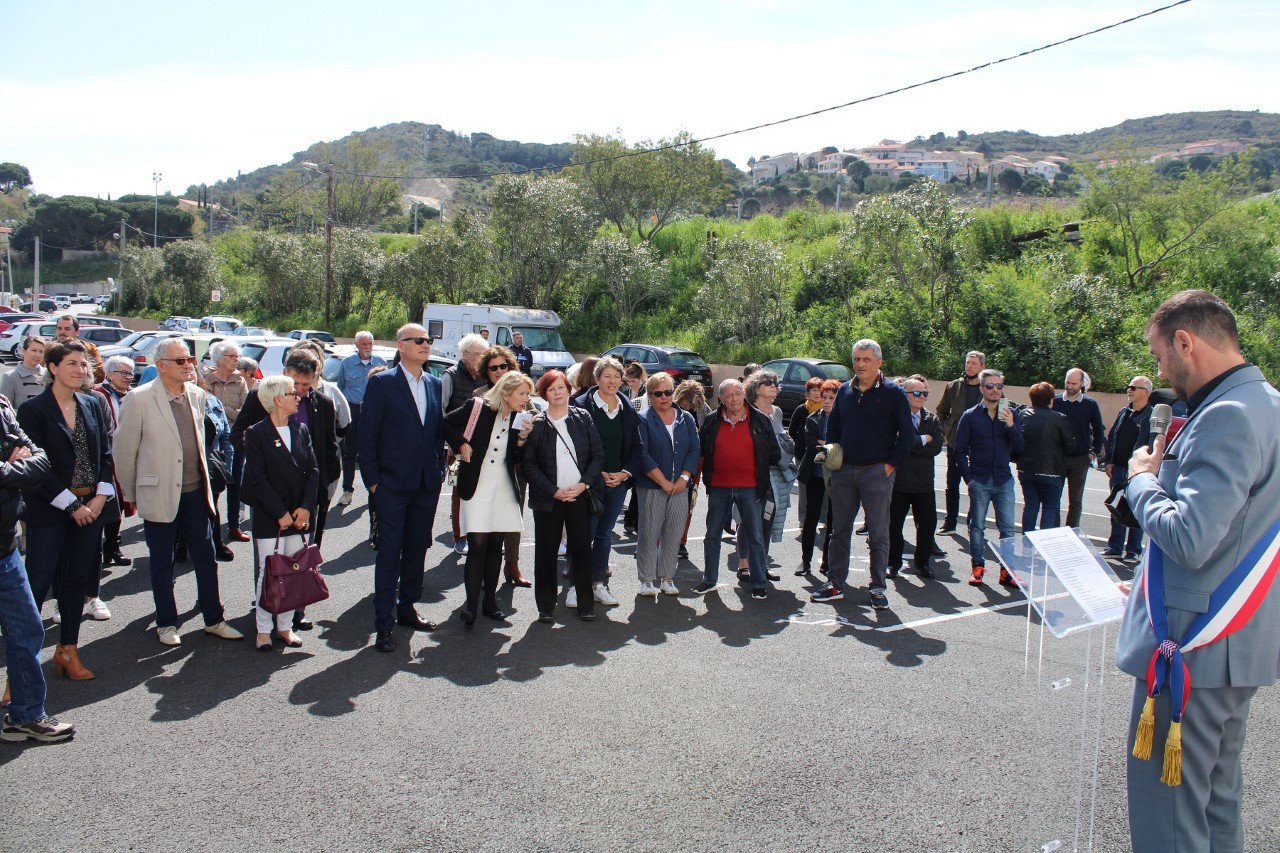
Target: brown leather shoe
(66,662)
(515,578)
(238,535)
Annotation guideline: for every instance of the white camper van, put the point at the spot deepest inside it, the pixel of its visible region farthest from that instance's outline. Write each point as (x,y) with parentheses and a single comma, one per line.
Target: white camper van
(541,330)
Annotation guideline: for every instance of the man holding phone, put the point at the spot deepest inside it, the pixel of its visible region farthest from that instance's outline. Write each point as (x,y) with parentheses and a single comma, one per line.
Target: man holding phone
(985,438)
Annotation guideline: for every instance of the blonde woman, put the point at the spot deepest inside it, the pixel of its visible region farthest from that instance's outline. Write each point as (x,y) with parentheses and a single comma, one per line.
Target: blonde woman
(490,483)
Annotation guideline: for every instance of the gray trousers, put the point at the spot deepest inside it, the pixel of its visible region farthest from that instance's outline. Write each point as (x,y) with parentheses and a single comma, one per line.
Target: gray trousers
(662,519)
(1203,813)
(851,487)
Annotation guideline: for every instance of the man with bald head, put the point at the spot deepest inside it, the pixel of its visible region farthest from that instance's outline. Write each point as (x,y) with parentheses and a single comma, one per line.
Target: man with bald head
(1131,430)
(401,449)
(1085,417)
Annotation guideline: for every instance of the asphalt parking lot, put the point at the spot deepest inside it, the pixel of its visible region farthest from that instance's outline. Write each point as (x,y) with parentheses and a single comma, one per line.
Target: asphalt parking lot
(675,723)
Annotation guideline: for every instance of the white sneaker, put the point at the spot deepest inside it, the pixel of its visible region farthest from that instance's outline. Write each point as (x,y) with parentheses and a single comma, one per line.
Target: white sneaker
(57,614)
(602,595)
(345,500)
(169,636)
(97,609)
(564,549)
(460,546)
(223,630)
(571,600)
(668,587)
(648,590)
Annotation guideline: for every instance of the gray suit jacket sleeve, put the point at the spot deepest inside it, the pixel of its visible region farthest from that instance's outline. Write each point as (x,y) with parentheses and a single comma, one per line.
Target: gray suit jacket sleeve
(1217,493)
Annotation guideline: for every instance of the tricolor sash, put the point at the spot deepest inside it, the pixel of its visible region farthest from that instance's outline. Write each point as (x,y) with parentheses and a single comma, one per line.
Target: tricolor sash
(1231,606)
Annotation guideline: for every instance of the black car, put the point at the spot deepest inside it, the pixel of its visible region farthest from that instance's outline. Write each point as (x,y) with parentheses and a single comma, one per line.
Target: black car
(102,335)
(681,363)
(795,372)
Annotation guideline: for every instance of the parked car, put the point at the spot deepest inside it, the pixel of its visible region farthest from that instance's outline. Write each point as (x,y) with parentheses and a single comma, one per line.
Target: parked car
(46,305)
(311,334)
(178,323)
(125,345)
(102,335)
(220,323)
(11,339)
(681,363)
(270,354)
(255,332)
(95,320)
(81,299)
(104,299)
(7,320)
(144,352)
(793,373)
(63,302)
(437,364)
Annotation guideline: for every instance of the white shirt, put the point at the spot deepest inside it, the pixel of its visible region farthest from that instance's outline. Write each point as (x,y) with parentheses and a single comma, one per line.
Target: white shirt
(608,413)
(418,388)
(285,437)
(567,474)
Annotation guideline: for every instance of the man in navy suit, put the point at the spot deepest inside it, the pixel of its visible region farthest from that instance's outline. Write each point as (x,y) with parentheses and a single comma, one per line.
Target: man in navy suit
(401,450)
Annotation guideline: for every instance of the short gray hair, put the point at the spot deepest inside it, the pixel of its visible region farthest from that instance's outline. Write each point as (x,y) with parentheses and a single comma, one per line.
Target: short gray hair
(609,362)
(246,363)
(755,380)
(470,342)
(271,387)
(117,362)
(363,335)
(980,356)
(168,344)
(867,343)
(728,383)
(220,348)
(987,373)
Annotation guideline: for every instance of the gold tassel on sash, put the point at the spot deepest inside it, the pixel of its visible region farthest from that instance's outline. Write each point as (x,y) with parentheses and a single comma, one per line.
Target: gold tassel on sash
(1172,774)
(1146,729)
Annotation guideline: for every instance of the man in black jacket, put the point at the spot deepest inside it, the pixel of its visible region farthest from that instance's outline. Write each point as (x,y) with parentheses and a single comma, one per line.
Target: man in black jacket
(960,395)
(738,448)
(913,484)
(22,466)
(1131,430)
(1086,421)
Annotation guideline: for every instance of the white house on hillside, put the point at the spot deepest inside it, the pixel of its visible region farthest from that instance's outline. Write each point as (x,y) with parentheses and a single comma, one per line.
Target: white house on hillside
(772,167)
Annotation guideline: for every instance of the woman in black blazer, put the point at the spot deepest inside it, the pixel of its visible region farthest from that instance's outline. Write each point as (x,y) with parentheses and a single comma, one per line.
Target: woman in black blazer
(563,458)
(282,476)
(489,441)
(64,513)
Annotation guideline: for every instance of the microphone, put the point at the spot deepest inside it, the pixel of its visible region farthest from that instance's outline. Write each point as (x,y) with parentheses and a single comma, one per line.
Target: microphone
(1161,416)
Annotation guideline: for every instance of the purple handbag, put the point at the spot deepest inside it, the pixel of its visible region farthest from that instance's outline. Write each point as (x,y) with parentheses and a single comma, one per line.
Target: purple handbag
(293,582)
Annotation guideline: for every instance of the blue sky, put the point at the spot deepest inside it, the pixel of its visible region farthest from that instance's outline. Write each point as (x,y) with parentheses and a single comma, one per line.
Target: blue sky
(98,97)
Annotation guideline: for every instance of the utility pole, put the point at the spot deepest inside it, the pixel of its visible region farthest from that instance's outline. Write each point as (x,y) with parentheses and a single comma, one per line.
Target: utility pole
(155,221)
(35,283)
(120,278)
(328,253)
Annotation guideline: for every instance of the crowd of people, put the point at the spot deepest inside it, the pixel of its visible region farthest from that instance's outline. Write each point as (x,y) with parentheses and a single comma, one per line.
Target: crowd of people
(168,448)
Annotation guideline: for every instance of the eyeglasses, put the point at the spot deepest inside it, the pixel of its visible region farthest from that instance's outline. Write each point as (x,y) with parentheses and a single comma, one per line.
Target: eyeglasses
(419,340)
(498,368)
(125,373)
(991,386)
(296,394)
(771,383)
(662,392)
(182,361)
(926,393)
(1136,388)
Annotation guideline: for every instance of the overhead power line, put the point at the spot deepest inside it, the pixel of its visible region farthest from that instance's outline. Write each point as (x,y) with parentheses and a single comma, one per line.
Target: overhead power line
(863,100)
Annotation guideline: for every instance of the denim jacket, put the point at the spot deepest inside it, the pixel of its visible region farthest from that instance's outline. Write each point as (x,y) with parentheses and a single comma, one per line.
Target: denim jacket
(658,451)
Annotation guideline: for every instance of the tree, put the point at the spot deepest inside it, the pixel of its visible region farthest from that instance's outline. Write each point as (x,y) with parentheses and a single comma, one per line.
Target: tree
(190,272)
(1033,184)
(357,264)
(641,193)
(13,176)
(70,222)
(541,228)
(1010,181)
(744,291)
(858,171)
(292,270)
(634,276)
(448,263)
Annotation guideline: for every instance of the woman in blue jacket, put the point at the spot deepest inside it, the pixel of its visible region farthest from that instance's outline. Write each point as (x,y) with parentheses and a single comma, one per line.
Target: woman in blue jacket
(670,454)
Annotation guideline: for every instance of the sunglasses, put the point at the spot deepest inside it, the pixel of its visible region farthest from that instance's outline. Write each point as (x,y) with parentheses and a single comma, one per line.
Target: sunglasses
(770,383)
(495,368)
(182,361)
(991,386)
(662,392)
(416,340)
(918,393)
(1136,388)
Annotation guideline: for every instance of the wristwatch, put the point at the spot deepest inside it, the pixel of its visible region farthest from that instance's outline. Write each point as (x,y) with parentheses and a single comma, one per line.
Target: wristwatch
(685,477)
(73,506)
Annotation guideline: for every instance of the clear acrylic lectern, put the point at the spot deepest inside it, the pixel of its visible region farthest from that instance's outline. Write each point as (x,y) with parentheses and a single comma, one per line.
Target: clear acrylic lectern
(1073,597)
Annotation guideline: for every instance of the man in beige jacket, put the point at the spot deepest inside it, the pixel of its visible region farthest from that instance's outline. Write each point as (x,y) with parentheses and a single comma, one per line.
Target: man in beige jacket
(160,463)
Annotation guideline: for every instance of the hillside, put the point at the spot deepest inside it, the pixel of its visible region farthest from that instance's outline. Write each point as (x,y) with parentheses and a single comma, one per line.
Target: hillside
(1144,135)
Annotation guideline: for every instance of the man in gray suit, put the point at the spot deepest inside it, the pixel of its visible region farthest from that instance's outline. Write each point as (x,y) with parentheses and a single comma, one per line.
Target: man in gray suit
(1205,502)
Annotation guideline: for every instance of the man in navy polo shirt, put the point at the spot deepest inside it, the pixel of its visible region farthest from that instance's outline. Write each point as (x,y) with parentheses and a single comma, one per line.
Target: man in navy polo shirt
(985,438)
(871,420)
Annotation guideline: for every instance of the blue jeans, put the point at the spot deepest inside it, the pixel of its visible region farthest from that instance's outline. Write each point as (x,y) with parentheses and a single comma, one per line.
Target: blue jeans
(193,520)
(983,494)
(1123,540)
(1041,497)
(750,527)
(602,533)
(23,638)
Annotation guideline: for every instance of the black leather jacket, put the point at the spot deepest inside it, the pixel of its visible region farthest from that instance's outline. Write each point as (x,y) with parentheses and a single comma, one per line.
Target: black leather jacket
(17,475)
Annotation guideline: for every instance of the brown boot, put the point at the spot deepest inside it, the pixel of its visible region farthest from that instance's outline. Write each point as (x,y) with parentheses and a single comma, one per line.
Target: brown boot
(514,577)
(66,662)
